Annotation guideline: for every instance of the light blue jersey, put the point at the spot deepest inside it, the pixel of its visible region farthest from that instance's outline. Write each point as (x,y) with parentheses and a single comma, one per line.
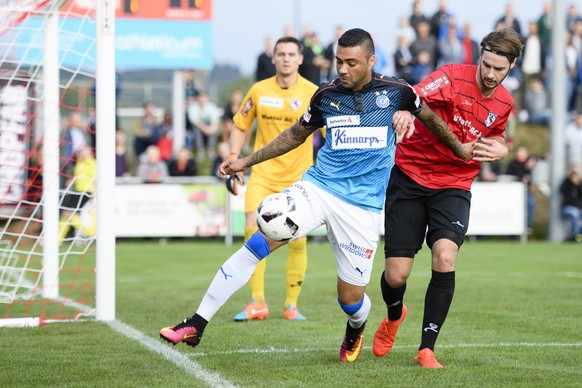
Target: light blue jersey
(355,162)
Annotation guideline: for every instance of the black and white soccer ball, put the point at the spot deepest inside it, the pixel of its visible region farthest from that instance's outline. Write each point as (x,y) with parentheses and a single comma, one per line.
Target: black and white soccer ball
(278,217)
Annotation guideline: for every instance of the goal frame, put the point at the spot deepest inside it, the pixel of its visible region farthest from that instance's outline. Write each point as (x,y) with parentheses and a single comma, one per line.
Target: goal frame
(105,124)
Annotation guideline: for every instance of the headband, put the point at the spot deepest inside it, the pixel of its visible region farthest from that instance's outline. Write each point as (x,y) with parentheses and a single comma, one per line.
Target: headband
(509,57)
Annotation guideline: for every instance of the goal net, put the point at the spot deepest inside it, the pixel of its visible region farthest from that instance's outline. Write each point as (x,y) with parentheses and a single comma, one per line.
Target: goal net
(47,161)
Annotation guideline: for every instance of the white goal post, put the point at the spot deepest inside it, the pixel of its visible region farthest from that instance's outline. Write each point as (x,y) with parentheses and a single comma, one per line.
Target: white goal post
(57,240)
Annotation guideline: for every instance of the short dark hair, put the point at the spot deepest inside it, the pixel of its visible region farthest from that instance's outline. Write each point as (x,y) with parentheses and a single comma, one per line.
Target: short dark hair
(289,39)
(357,37)
(505,42)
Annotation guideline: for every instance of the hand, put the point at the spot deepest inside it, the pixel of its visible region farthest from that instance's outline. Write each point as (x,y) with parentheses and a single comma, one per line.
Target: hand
(469,149)
(489,150)
(231,170)
(403,123)
(234,181)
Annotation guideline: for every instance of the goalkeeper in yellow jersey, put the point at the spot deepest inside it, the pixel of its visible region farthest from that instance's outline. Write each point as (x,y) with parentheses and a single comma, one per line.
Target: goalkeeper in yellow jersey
(276,103)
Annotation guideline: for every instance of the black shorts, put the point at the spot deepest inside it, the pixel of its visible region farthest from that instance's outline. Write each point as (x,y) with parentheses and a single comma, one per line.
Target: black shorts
(413,211)
(75,201)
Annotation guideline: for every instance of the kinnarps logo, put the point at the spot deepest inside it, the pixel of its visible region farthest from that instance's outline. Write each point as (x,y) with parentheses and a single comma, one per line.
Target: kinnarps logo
(359,137)
(341,121)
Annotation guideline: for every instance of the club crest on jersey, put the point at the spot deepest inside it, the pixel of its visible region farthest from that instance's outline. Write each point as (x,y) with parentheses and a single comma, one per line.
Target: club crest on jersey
(247,107)
(382,100)
(295,103)
(490,119)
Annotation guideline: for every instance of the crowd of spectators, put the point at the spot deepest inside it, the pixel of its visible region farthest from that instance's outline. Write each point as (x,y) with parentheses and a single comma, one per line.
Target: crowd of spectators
(423,41)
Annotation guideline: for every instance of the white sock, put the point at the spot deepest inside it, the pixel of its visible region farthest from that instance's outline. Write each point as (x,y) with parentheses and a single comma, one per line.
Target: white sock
(234,273)
(359,317)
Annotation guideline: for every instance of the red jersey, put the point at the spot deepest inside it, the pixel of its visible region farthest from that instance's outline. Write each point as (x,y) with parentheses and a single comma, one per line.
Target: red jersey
(452,93)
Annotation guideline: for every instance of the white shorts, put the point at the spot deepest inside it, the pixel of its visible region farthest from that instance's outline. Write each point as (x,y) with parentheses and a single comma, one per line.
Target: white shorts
(352,232)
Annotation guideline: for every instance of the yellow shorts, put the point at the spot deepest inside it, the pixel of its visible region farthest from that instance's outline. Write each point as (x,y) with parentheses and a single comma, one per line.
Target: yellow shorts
(257,190)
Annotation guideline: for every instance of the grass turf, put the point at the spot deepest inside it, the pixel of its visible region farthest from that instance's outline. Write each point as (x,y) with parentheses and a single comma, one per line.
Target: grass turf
(516,320)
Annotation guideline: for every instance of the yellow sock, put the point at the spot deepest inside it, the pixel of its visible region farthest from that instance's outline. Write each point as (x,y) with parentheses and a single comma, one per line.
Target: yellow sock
(64,227)
(257,281)
(89,228)
(296,267)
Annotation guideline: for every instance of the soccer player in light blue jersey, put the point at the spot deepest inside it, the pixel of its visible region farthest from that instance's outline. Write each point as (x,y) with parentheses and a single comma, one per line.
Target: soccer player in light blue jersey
(344,191)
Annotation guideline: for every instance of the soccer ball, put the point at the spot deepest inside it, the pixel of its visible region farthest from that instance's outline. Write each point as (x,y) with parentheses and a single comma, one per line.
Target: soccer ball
(278,218)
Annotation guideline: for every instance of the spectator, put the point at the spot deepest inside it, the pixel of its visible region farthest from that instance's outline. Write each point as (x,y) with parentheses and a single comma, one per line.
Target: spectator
(417,15)
(536,103)
(314,61)
(265,67)
(439,23)
(533,62)
(79,191)
(405,29)
(153,169)
(163,136)
(183,164)
(521,167)
(330,51)
(381,63)
(191,90)
(577,36)
(74,139)
(490,171)
(424,42)
(450,48)
(572,18)
(403,60)
(190,137)
(230,110)
(574,140)
(121,168)
(470,46)
(509,20)
(578,98)
(571,71)
(144,129)
(205,116)
(571,190)
(223,152)
(421,67)
(544,24)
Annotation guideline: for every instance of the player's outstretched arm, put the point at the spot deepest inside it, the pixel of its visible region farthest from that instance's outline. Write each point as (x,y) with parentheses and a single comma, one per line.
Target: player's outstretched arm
(437,126)
(289,139)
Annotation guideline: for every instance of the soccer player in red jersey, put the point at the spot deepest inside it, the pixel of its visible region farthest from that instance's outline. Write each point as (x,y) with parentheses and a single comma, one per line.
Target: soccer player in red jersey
(429,190)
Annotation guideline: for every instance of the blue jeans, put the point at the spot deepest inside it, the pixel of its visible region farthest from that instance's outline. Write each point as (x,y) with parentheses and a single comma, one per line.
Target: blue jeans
(531,209)
(574,215)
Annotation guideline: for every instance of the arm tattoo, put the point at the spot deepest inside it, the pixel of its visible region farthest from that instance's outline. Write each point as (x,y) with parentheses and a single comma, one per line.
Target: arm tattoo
(289,139)
(437,126)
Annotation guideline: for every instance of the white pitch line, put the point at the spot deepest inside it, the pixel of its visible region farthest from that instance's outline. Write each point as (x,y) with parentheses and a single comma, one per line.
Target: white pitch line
(271,349)
(179,359)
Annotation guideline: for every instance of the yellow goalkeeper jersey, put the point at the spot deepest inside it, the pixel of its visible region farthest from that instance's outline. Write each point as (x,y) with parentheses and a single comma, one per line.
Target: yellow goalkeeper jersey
(276,109)
(85,174)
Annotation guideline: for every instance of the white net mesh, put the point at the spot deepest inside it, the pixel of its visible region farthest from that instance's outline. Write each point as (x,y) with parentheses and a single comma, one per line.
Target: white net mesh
(23,181)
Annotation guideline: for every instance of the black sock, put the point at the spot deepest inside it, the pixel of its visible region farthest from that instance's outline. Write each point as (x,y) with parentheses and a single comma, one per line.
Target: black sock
(199,323)
(437,302)
(393,298)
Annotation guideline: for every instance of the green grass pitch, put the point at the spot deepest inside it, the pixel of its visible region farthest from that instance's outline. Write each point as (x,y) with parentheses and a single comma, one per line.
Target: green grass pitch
(516,320)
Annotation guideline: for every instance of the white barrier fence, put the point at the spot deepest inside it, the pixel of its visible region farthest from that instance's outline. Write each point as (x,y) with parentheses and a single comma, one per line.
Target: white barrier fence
(200,206)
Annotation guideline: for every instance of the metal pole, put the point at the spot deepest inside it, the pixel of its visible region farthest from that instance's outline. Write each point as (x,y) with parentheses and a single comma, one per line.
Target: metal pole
(105,121)
(558,122)
(50,150)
